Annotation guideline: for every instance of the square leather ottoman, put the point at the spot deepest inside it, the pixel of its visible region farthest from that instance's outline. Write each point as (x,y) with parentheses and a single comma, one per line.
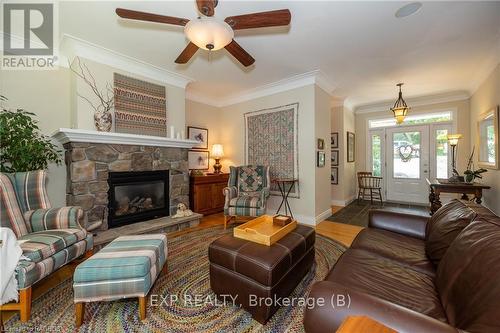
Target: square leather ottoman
(256,274)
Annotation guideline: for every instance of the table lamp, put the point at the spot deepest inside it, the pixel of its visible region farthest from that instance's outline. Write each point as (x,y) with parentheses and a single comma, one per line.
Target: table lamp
(217,153)
(453,141)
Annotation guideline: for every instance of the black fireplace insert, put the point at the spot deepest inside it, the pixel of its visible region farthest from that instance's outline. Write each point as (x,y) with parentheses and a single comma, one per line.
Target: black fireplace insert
(137,196)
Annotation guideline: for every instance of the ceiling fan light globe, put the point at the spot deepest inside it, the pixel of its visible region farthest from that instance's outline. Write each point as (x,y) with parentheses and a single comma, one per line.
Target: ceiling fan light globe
(208,31)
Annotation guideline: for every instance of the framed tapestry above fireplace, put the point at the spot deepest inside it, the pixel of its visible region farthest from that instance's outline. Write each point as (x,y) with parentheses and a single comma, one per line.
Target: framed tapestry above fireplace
(140,107)
(271,138)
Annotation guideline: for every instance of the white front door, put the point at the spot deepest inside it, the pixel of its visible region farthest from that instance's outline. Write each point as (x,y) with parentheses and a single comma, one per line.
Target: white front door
(407,153)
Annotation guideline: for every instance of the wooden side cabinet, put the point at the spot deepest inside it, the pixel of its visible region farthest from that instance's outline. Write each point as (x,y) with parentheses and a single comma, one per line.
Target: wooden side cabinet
(205,193)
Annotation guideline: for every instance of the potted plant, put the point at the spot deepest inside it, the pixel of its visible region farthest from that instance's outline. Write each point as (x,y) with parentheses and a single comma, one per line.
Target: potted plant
(103,118)
(22,146)
(470,174)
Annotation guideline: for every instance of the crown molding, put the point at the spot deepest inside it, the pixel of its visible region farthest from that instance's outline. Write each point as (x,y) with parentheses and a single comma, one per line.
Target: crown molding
(315,77)
(72,47)
(414,101)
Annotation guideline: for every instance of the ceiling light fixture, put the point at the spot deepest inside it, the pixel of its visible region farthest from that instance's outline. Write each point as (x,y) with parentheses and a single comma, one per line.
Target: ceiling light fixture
(400,108)
(408,9)
(208,33)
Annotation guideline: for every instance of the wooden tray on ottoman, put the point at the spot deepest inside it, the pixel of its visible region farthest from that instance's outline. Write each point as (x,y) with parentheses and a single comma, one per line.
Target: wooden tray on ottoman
(262,230)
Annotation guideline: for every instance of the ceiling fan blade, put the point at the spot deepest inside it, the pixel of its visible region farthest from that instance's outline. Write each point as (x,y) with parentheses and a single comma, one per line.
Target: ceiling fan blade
(186,54)
(239,53)
(260,20)
(142,16)
(206,7)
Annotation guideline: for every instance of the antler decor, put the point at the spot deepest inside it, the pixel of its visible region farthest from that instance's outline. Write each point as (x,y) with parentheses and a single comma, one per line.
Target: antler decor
(103,119)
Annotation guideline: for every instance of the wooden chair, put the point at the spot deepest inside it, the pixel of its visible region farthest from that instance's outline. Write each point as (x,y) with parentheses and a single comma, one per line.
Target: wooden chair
(366,181)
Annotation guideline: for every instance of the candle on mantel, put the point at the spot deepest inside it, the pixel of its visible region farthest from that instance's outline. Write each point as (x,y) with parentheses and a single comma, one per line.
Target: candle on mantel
(183,135)
(172,133)
(178,136)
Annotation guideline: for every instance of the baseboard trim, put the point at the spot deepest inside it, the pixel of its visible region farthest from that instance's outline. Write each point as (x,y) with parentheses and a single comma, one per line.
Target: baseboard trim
(343,203)
(323,216)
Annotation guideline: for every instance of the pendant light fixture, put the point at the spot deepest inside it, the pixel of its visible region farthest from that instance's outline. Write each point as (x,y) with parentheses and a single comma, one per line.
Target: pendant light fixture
(400,109)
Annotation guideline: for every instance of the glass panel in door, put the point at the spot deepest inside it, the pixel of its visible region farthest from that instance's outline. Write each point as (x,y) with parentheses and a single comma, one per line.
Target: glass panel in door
(406,156)
(376,151)
(442,155)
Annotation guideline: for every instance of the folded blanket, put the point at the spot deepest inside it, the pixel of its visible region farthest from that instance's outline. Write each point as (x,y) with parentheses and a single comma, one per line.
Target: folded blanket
(10,254)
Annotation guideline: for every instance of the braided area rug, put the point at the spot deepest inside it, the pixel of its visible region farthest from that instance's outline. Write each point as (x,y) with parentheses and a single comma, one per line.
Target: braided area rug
(188,275)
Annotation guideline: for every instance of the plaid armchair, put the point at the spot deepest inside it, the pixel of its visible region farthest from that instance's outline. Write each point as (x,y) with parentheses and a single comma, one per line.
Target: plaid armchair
(49,237)
(247,191)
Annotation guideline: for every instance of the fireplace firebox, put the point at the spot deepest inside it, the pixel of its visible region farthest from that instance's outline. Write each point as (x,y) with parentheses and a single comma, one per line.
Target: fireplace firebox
(137,196)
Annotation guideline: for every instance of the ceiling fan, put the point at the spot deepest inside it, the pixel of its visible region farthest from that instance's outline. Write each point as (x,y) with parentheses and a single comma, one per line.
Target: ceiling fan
(208,33)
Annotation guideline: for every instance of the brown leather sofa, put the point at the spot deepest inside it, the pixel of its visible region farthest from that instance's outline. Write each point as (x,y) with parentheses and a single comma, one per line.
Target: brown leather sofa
(417,274)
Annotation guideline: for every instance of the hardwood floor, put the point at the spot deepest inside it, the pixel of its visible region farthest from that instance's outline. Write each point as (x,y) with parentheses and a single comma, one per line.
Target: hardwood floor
(343,233)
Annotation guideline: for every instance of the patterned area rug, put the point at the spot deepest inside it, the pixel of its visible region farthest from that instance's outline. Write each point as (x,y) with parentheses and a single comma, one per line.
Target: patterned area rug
(188,276)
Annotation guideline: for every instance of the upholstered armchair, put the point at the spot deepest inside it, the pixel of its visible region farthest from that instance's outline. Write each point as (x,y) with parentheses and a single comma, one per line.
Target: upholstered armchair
(247,192)
(49,237)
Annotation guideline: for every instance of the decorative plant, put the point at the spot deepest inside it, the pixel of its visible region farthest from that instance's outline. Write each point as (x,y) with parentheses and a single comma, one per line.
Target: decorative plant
(470,173)
(102,109)
(22,146)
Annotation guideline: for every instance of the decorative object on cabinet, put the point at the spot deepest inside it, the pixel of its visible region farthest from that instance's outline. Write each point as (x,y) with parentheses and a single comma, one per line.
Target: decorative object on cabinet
(272,135)
(320,159)
(140,107)
(334,176)
(198,160)
(217,154)
(487,139)
(200,135)
(334,140)
(335,158)
(351,139)
(206,193)
(453,142)
(321,144)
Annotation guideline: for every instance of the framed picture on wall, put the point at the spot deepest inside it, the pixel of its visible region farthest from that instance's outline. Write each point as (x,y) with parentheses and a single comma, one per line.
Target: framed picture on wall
(351,139)
(334,176)
(320,160)
(334,140)
(335,158)
(200,135)
(321,144)
(198,160)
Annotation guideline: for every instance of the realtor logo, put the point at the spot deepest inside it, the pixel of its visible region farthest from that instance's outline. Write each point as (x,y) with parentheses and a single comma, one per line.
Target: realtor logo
(28,36)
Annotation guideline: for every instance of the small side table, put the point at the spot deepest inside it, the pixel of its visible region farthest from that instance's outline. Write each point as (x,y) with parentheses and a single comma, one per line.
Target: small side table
(282,185)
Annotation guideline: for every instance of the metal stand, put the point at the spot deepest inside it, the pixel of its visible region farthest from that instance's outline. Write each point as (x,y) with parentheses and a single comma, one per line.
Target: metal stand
(284,194)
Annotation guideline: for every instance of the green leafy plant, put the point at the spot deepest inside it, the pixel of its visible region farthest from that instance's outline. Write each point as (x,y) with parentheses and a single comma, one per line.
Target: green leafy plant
(22,146)
(470,173)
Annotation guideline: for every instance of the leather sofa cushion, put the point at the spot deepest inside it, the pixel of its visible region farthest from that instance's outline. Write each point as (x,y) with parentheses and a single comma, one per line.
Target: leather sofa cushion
(406,250)
(444,227)
(468,277)
(263,264)
(389,280)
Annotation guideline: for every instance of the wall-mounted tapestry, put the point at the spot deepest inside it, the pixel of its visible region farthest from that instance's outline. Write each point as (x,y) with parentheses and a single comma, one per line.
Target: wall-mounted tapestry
(140,107)
(271,138)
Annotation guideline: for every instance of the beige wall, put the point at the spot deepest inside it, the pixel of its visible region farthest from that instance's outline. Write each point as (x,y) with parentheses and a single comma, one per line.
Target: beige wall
(45,93)
(463,127)
(343,121)
(82,112)
(322,119)
(206,116)
(485,98)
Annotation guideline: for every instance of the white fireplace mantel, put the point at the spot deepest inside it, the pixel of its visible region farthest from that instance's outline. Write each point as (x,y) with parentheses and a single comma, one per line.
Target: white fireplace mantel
(65,135)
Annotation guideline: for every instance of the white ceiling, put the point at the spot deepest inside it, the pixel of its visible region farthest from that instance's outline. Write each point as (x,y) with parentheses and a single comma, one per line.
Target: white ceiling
(360,47)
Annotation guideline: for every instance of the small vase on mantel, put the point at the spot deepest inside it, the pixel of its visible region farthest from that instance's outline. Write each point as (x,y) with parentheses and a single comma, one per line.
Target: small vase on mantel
(103,120)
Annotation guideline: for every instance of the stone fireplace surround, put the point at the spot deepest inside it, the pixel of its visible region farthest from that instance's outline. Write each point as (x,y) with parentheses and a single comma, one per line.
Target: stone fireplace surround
(91,155)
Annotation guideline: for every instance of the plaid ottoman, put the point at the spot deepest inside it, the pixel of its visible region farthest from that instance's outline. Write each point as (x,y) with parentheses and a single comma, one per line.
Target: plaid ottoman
(125,268)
